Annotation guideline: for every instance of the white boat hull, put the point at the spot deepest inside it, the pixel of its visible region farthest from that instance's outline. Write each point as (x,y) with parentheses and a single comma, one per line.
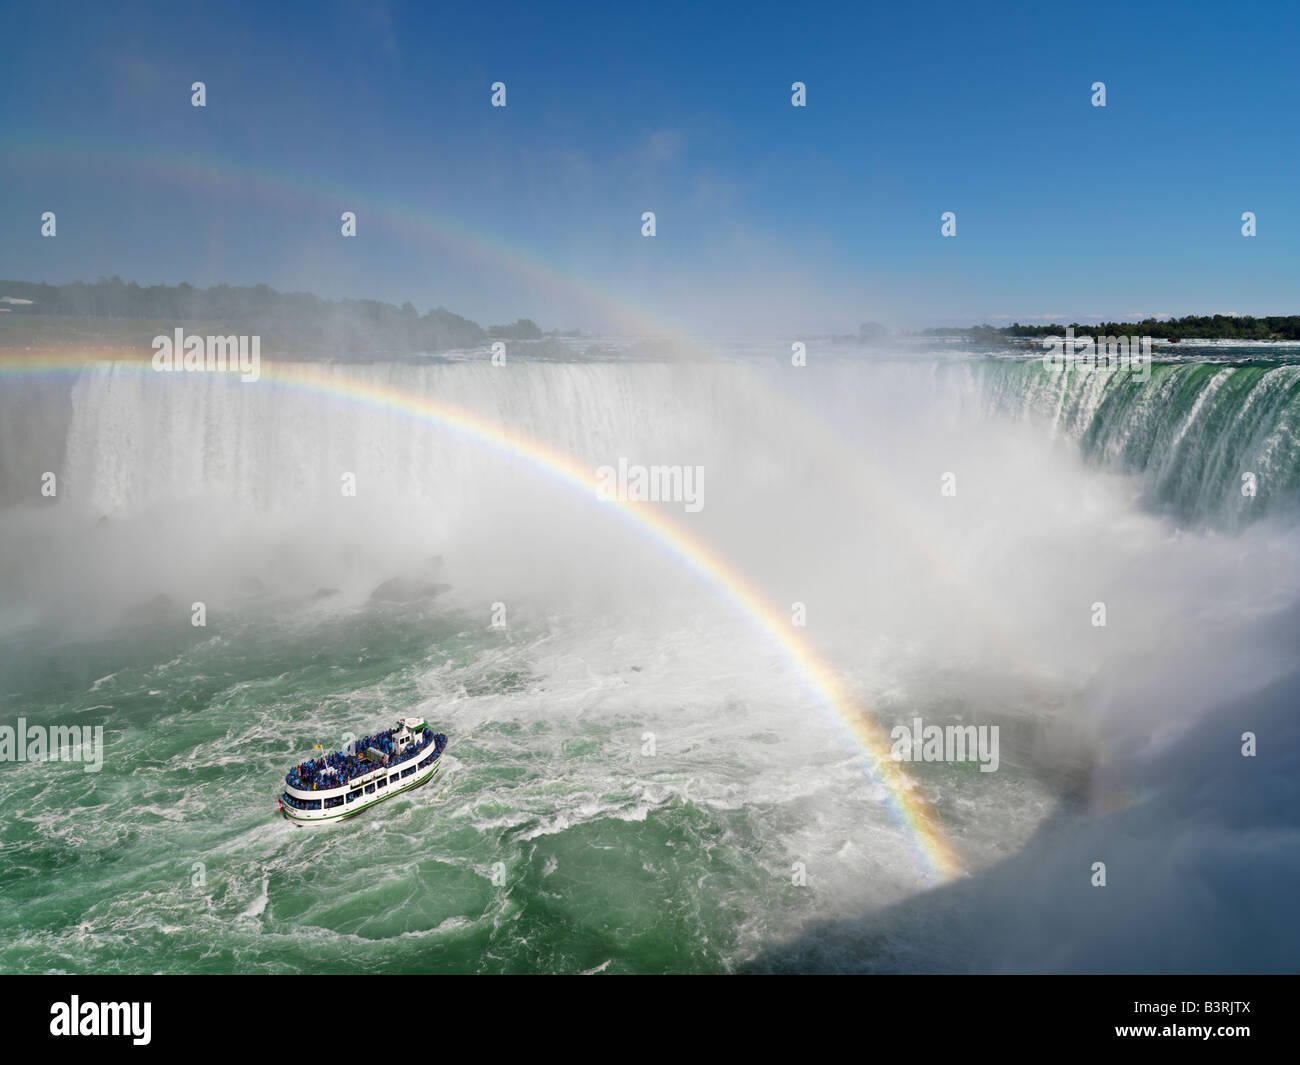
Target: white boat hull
(367,792)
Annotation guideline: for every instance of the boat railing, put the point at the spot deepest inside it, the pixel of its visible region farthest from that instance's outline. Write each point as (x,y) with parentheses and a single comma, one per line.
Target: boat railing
(438,740)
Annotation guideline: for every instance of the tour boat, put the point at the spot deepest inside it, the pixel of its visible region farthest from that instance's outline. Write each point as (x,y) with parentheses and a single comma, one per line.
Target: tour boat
(372,769)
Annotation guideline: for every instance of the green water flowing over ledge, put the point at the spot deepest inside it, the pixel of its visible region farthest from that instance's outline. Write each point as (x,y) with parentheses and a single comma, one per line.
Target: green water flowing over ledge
(1190,432)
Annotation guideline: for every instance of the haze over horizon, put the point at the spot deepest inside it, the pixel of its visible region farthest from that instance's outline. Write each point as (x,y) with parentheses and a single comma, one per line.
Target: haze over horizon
(769,218)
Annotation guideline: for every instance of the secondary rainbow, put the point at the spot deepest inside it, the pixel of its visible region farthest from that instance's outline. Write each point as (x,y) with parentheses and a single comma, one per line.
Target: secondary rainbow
(308,192)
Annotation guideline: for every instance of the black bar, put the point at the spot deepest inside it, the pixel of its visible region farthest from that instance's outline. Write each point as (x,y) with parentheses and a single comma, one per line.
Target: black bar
(305,1015)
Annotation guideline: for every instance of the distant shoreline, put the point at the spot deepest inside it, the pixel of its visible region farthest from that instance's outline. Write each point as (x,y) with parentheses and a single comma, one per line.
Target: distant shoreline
(1188,328)
(114,313)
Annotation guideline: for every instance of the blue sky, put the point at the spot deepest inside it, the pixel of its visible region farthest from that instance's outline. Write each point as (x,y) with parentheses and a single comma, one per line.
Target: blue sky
(771,219)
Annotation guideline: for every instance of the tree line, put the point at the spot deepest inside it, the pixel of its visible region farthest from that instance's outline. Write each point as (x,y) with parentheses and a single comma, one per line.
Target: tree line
(1192,326)
(298,319)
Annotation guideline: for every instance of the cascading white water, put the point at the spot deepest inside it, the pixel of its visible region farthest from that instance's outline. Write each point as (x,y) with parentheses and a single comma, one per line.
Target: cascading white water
(824,484)
(123,440)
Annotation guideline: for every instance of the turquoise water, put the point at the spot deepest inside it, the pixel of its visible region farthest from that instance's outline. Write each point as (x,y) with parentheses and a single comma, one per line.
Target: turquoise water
(172,858)
(548,842)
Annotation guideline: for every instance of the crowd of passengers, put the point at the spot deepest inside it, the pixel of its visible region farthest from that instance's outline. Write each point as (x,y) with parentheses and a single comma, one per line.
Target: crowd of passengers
(313,775)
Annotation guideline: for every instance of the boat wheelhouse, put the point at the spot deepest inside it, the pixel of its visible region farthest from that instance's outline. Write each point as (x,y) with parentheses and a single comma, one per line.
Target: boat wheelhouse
(370,770)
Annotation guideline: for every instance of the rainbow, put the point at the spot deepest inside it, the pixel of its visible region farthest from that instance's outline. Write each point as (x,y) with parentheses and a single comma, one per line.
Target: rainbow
(309,192)
(909,805)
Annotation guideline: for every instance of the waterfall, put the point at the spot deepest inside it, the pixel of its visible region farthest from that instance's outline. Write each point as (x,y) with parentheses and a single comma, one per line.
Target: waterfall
(1201,437)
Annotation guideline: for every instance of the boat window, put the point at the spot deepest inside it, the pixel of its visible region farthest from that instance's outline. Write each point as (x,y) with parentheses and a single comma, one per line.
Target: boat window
(392,779)
(383,782)
(370,789)
(336,800)
(408,772)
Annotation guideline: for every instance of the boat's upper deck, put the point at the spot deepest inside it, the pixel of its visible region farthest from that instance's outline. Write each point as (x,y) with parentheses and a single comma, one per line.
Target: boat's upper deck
(394,747)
